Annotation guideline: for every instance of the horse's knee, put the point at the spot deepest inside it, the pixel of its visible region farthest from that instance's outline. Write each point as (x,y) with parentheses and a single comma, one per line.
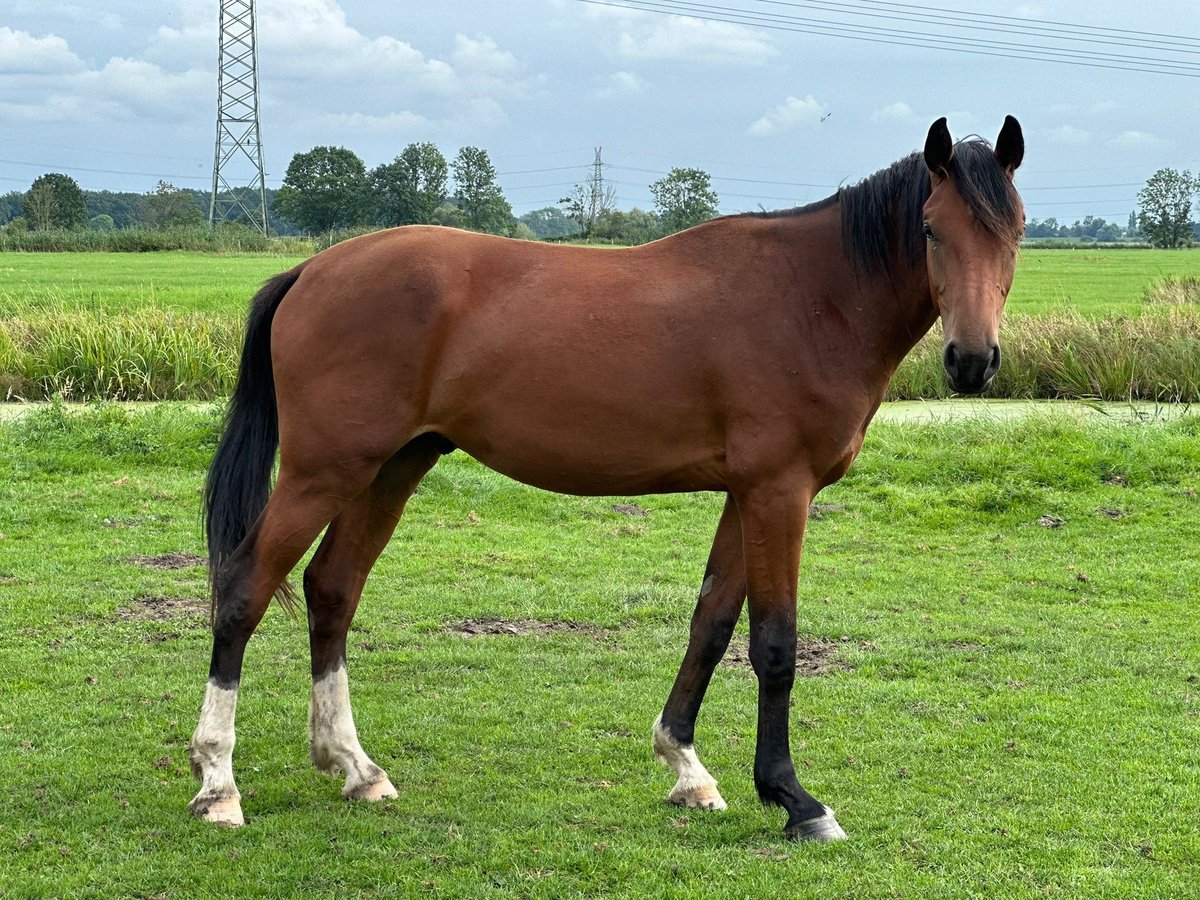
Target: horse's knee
(773,654)
(711,636)
(327,592)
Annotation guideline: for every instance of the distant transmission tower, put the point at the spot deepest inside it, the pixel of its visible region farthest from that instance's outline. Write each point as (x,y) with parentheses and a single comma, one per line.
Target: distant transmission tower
(239,185)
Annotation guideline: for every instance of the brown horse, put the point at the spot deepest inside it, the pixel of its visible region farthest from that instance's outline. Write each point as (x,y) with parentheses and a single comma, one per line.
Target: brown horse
(746,355)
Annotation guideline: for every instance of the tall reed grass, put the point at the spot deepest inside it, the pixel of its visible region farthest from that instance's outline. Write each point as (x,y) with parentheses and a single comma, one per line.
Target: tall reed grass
(1155,356)
(152,354)
(1174,289)
(146,354)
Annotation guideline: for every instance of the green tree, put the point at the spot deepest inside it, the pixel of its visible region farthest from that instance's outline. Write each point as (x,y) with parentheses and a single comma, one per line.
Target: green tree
(1165,208)
(407,190)
(477,194)
(591,201)
(449,216)
(635,226)
(1133,231)
(55,200)
(684,198)
(102,222)
(170,207)
(10,205)
(127,209)
(324,189)
(40,206)
(549,222)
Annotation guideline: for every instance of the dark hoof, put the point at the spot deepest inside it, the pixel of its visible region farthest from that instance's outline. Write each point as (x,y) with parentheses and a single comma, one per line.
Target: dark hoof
(823,829)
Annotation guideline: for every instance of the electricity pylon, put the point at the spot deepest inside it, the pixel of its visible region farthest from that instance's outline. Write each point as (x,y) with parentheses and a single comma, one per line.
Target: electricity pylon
(239,185)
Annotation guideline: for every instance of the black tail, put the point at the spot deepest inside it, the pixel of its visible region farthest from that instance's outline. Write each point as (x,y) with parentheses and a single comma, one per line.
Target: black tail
(239,479)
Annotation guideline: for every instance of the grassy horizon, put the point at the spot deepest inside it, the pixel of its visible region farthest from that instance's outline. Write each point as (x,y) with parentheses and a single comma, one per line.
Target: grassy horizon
(1093,282)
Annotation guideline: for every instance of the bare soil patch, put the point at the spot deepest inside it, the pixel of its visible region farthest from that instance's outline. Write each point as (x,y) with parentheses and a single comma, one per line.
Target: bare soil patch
(820,510)
(154,608)
(177,560)
(814,656)
(520,627)
(630,509)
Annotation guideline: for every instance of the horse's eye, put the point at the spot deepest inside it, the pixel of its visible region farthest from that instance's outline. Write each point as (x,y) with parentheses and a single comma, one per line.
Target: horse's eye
(927,231)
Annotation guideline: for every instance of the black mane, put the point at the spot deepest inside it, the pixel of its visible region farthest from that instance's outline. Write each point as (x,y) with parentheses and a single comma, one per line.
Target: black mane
(882,213)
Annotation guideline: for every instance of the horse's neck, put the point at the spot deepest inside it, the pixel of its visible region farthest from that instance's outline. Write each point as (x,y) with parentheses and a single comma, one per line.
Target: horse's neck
(903,305)
(884,312)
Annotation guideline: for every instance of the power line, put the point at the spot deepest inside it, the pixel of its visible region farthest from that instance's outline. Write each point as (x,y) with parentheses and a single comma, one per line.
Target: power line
(18,162)
(983,22)
(1042,22)
(901,38)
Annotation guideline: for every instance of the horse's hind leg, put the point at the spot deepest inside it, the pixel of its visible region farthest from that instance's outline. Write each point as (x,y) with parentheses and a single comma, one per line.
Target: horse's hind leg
(303,502)
(333,584)
(722,596)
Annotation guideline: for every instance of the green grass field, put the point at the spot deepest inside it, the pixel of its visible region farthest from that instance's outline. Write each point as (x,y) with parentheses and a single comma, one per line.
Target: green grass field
(112,282)
(1095,282)
(1012,710)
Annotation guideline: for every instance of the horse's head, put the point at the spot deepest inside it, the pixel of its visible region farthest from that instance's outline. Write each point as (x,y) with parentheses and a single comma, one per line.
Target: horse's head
(973,221)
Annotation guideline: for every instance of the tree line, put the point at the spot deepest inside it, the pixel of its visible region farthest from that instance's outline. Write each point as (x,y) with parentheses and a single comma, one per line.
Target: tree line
(329,189)
(56,202)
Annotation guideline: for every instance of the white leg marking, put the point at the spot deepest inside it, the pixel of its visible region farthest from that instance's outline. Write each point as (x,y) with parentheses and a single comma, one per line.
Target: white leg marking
(334,741)
(211,750)
(696,788)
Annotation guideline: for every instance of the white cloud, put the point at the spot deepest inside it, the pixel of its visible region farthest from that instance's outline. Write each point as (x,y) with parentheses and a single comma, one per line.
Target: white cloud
(787,115)
(621,84)
(391,123)
(1095,108)
(894,112)
(1030,11)
(386,81)
(684,39)
(123,89)
(23,54)
(308,53)
(1137,139)
(1069,134)
(483,55)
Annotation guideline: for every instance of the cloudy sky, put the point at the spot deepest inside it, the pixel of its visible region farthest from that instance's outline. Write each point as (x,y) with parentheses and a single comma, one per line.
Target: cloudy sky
(120,94)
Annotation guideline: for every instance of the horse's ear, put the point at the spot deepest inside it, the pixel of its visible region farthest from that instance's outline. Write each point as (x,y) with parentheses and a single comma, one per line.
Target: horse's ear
(1010,146)
(939,147)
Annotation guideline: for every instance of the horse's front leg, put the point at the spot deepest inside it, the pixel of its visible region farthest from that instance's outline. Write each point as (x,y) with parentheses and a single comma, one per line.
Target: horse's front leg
(773,516)
(722,595)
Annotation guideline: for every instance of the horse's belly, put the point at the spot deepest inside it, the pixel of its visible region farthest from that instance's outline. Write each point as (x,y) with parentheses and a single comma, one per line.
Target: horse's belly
(592,454)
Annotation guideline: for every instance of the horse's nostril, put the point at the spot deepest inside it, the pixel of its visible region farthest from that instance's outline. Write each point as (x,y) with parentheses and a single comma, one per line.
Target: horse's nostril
(994,365)
(950,359)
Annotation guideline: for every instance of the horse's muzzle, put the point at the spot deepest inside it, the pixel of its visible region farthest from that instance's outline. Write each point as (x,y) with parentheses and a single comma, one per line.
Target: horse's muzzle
(970,372)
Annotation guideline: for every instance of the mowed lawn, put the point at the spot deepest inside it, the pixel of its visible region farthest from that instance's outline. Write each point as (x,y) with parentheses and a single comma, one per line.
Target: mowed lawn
(1094,282)
(118,282)
(1008,705)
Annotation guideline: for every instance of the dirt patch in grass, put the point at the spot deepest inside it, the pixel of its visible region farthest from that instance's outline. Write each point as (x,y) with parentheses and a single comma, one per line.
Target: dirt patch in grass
(821,510)
(630,509)
(521,627)
(178,560)
(154,608)
(814,656)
